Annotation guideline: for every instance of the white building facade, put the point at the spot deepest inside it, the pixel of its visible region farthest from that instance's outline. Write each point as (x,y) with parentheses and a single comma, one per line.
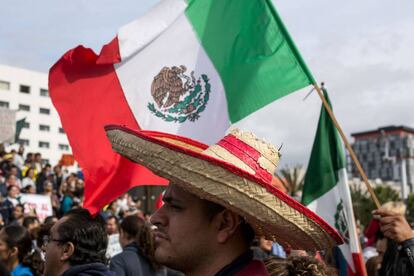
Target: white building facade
(27,92)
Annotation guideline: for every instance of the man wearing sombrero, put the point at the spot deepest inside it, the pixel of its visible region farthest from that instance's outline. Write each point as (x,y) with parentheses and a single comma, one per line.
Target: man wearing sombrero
(218,199)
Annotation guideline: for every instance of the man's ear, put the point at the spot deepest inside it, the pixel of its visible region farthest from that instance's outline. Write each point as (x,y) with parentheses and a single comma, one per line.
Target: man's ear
(68,250)
(14,251)
(227,222)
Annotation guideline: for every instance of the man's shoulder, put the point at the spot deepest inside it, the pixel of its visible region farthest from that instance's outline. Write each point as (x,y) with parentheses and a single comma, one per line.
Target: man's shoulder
(124,256)
(22,271)
(95,269)
(7,202)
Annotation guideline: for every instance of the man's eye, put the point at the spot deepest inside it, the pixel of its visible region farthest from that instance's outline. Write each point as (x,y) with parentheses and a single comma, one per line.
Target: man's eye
(175,207)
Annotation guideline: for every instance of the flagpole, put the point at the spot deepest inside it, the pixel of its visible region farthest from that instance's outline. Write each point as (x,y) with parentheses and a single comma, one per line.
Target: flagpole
(348,146)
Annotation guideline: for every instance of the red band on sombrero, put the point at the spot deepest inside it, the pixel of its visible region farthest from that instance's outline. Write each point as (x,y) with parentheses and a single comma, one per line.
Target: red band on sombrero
(249,155)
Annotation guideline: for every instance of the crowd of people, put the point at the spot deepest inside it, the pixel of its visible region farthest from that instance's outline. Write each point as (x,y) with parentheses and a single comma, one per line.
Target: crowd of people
(122,240)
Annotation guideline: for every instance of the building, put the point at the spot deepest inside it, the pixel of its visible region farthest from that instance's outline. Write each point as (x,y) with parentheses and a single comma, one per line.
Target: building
(27,92)
(386,153)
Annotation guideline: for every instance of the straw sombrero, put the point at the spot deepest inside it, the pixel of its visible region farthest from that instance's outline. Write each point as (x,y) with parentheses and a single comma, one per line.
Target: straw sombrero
(236,173)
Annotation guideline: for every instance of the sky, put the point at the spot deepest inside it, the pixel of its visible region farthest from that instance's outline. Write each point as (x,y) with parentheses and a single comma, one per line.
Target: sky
(362,50)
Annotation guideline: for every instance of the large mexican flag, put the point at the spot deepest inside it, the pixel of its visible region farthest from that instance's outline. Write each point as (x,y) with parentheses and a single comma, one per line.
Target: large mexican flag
(326,192)
(190,68)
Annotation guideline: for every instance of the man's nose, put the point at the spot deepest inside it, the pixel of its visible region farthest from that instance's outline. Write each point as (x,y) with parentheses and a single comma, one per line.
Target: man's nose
(158,218)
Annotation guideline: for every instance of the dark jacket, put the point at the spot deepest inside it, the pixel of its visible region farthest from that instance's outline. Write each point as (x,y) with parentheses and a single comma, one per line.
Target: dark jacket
(3,189)
(130,262)
(6,210)
(244,265)
(398,259)
(93,269)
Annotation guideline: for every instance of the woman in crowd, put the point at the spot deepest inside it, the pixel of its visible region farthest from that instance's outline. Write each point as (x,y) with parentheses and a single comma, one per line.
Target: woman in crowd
(67,202)
(137,257)
(48,191)
(29,178)
(15,250)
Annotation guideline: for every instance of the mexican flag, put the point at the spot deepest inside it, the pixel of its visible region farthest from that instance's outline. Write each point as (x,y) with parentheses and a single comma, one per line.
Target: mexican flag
(326,192)
(190,68)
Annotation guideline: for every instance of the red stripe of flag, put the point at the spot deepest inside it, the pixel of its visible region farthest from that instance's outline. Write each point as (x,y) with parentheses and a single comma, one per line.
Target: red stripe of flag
(86,92)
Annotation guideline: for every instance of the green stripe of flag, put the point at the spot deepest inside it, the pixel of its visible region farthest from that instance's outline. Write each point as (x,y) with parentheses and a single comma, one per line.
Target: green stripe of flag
(327,158)
(252,51)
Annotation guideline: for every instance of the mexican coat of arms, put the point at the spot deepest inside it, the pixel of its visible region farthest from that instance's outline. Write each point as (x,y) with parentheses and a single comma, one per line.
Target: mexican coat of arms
(179,97)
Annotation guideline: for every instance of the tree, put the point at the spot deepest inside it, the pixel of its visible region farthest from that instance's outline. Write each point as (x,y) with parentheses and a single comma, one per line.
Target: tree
(410,208)
(363,204)
(293,179)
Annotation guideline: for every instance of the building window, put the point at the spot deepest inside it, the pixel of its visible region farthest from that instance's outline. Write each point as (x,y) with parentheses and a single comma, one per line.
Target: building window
(4,104)
(23,142)
(4,85)
(26,125)
(61,130)
(44,128)
(44,92)
(24,107)
(44,111)
(63,147)
(24,89)
(45,161)
(44,145)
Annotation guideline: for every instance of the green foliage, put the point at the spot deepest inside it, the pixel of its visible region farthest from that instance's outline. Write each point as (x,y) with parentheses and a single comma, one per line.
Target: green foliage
(364,205)
(410,208)
(293,179)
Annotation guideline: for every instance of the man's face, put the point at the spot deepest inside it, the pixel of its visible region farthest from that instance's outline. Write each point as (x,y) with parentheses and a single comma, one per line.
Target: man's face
(33,226)
(265,245)
(14,192)
(11,180)
(38,158)
(53,251)
(14,171)
(17,212)
(184,234)
(57,170)
(111,227)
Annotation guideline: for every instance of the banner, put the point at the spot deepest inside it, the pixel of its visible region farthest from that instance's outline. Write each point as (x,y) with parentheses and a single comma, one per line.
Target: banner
(39,205)
(7,125)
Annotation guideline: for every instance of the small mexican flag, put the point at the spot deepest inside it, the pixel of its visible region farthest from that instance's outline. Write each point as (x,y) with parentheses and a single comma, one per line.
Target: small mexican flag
(190,68)
(326,192)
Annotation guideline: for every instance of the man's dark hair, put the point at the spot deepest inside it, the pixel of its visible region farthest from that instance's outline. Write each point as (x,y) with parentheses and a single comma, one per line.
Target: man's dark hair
(247,231)
(29,220)
(135,228)
(19,206)
(87,234)
(7,178)
(115,218)
(43,231)
(49,220)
